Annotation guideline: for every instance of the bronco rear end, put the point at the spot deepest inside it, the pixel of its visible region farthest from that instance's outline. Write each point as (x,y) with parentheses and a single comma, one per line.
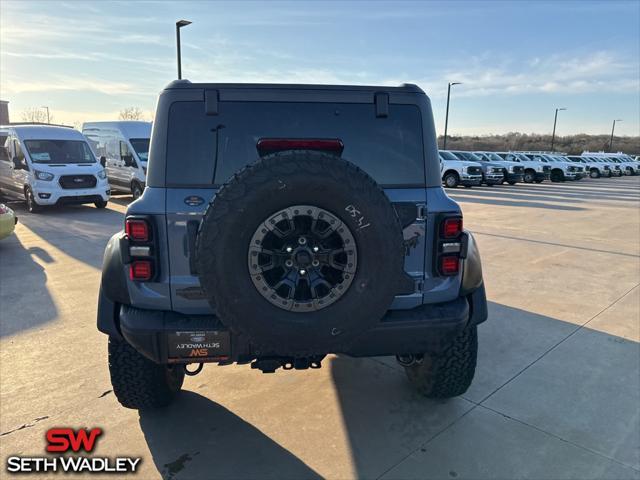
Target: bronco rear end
(282,223)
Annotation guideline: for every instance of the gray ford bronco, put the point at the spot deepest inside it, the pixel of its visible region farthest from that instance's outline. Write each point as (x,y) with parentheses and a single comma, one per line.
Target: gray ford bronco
(282,223)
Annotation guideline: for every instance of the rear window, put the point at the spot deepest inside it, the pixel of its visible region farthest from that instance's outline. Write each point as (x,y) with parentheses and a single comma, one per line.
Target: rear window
(389,149)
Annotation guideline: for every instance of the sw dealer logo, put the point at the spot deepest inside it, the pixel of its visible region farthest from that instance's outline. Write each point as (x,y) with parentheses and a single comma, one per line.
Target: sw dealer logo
(67,440)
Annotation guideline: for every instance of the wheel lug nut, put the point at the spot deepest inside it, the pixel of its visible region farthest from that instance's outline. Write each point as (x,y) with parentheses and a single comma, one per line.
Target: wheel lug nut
(289,249)
(315,263)
(315,249)
(303,271)
(302,240)
(289,263)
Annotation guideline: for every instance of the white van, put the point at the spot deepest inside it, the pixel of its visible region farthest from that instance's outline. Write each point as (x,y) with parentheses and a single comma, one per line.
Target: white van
(50,165)
(123,149)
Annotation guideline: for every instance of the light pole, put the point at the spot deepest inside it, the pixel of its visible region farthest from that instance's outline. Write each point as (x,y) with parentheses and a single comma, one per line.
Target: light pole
(446,118)
(612,129)
(47,108)
(179,25)
(555,120)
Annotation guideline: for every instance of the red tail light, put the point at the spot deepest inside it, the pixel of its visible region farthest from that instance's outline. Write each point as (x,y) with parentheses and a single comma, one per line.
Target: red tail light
(140,270)
(137,230)
(451,227)
(272,145)
(449,265)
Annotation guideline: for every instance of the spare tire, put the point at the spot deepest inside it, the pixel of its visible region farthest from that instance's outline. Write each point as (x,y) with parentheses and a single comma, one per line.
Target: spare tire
(301,252)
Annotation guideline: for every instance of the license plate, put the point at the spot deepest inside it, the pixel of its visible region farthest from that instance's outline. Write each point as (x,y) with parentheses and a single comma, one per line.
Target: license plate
(199,345)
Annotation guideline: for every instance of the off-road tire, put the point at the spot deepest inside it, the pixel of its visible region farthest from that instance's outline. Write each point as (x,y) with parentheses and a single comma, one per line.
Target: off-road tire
(451,180)
(449,372)
(247,202)
(32,205)
(101,204)
(138,382)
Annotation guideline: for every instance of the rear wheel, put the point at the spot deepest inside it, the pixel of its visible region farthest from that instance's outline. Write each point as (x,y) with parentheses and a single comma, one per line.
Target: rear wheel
(451,180)
(136,190)
(32,205)
(138,382)
(447,373)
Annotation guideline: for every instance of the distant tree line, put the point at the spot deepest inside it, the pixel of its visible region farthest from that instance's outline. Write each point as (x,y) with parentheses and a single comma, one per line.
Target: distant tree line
(570,144)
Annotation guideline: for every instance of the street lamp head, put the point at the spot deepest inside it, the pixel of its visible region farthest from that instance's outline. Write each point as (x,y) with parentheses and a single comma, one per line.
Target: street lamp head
(618,120)
(182,23)
(562,108)
(455,83)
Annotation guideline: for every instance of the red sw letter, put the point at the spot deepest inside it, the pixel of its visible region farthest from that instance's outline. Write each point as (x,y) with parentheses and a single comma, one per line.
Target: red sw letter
(61,439)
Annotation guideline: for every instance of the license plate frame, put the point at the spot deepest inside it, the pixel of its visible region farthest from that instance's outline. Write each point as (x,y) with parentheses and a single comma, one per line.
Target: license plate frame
(198,345)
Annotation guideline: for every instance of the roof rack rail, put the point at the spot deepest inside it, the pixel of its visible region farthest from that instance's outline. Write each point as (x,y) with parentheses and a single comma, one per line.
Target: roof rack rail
(13,124)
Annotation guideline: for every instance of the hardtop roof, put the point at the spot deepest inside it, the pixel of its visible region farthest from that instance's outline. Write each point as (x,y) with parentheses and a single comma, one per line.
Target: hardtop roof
(404,88)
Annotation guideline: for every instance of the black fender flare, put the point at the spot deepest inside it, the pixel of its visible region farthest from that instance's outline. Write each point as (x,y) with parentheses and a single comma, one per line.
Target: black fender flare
(113,285)
(472,284)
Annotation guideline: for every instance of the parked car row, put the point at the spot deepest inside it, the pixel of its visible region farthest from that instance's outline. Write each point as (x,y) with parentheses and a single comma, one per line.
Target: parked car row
(52,165)
(55,165)
(495,168)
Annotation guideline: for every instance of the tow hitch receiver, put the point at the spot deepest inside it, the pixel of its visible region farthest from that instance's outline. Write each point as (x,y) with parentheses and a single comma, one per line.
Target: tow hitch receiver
(271,364)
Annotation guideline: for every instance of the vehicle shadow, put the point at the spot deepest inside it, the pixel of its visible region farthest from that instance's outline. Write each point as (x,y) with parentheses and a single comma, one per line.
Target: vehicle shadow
(395,433)
(214,443)
(25,301)
(80,231)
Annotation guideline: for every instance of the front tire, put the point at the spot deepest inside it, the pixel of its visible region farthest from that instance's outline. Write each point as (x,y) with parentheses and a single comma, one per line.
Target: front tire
(529,176)
(138,382)
(594,173)
(101,204)
(32,205)
(451,180)
(447,373)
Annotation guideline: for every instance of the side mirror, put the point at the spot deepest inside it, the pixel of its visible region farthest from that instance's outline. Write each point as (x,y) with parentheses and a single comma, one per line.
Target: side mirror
(103,161)
(129,161)
(18,163)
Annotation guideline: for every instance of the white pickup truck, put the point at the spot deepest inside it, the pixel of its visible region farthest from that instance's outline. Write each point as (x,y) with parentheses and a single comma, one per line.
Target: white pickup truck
(625,162)
(513,172)
(534,171)
(594,168)
(561,170)
(456,172)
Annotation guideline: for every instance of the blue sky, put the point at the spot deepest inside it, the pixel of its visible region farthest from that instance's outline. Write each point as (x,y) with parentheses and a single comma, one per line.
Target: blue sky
(517,60)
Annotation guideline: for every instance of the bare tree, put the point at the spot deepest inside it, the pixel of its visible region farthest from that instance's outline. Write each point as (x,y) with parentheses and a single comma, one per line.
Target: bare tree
(36,115)
(131,113)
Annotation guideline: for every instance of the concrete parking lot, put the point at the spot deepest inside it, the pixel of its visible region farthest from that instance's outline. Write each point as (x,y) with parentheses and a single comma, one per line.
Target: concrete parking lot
(556,395)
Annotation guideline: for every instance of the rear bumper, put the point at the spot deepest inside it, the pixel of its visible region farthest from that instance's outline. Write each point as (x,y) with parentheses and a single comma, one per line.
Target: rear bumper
(425,328)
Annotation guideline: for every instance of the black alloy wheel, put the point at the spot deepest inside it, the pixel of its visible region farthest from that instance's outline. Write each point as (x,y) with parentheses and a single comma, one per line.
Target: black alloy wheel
(302,258)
